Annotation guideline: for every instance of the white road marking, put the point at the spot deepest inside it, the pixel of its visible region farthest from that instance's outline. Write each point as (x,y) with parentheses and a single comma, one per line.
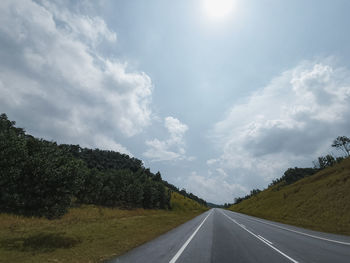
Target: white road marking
(302,233)
(262,240)
(266,240)
(178,254)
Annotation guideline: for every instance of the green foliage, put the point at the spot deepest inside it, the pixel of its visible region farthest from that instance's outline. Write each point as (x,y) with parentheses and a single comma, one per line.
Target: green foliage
(41,178)
(148,185)
(320,201)
(240,199)
(91,187)
(104,160)
(13,156)
(37,178)
(121,188)
(294,174)
(184,193)
(184,204)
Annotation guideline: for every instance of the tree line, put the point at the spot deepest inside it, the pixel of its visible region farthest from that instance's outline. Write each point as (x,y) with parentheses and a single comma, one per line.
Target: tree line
(291,175)
(43,178)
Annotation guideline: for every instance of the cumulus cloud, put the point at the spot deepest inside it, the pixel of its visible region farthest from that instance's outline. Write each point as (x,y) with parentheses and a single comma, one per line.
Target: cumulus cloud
(215,188)
(52,74)
(172,148)
(289,122)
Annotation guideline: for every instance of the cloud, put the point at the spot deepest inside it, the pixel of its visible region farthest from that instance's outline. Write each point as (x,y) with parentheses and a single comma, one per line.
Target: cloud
(215,188)
(55,82)
(211,161)
(290,122)
(176,129)
(106,143)
(171,149)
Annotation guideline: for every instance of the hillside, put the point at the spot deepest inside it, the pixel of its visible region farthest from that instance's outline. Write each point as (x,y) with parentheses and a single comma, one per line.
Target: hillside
(65,203)
(45,179)
(320,202)
(89,233)
(181,203)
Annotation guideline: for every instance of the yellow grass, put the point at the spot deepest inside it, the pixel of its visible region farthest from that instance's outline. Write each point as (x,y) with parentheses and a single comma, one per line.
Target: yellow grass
(320,202)
(88,233)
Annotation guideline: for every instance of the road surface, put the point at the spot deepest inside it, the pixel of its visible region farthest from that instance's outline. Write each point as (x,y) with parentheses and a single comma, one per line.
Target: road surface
(222,236)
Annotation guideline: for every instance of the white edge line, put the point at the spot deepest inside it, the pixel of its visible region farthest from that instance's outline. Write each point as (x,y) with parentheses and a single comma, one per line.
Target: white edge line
(266,240)
(262,240)
(178,254)
(302,233)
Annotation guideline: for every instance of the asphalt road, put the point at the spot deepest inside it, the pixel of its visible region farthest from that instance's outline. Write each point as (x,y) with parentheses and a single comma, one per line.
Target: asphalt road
(222,236)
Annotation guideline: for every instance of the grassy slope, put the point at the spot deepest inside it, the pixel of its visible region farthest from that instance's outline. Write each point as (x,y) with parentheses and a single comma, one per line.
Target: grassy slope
(320,202)
(88,233)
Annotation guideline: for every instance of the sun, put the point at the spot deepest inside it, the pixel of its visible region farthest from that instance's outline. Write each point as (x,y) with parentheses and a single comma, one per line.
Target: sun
(218,9)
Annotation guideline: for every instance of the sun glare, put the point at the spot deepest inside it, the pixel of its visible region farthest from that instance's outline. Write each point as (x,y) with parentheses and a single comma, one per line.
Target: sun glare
(218,9)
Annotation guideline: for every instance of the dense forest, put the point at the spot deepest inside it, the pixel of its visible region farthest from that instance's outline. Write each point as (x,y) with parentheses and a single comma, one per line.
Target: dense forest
(43,178)
(292,175)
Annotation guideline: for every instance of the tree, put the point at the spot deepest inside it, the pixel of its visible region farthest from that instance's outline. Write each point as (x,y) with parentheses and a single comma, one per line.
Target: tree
(149,194)
(90,189)
(326,161)
(294,174)
(134,194)
(13,156)
(36,177)
(254,192)
(161,195)
(343,143)
(158,177)
(41,178)
(49,180)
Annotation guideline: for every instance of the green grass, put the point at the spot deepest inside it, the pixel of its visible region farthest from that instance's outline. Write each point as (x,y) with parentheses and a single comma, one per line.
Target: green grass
(88,233)
(320,202)
(181,203)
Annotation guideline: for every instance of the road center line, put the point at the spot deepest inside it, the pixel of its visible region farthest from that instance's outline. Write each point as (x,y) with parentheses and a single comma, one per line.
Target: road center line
(301,233)
(178,254)
(262,240)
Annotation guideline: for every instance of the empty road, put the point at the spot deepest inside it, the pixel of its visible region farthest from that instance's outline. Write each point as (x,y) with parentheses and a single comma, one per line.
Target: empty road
(222,236)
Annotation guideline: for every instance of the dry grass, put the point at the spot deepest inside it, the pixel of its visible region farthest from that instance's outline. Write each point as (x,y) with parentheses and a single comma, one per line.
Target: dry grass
(320,202)
(88,233)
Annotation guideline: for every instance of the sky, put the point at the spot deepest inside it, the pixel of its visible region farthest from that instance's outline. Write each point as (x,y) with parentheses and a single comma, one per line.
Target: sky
(220,96)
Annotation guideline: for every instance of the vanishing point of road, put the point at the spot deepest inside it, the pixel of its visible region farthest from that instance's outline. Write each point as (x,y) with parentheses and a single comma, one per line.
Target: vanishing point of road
(222,236)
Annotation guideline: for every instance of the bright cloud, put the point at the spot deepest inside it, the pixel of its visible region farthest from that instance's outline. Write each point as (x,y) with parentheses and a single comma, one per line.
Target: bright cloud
(172,148)
(289,122)
(214,187)
(54,81)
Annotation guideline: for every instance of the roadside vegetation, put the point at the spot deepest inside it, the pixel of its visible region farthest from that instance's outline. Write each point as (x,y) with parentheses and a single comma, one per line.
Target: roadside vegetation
(65,203)
(89,233)
(44,179)
(292,175)
(318,201)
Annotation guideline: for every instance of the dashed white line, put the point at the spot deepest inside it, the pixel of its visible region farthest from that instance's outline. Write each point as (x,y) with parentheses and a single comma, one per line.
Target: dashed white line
(301,233)
(178,254)
(266,240)
(262,240)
